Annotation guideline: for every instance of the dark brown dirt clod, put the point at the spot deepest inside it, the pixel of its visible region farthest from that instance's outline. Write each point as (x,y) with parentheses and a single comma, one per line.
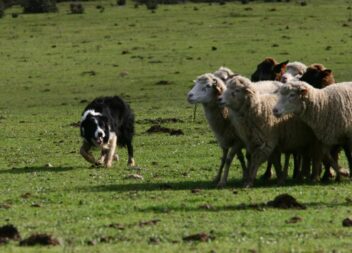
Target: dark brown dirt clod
(293,220)
(39,239)
(200,237)
(149,223)
(9,232)
(160,129)
(285,201)
(347,222)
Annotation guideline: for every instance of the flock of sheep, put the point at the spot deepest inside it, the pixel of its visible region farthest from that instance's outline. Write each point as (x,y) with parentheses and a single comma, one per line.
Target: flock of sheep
(286,108)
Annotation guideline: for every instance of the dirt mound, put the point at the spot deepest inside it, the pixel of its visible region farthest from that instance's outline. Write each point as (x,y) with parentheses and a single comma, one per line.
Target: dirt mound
(9,232)
(160,129)
(285,201)
(200,237)
(159,121)
(39,239)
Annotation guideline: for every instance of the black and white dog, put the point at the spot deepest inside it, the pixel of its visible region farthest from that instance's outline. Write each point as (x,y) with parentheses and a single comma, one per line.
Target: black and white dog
(107,122)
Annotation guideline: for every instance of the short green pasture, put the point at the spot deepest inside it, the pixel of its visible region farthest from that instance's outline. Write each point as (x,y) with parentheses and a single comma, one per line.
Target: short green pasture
(53,64)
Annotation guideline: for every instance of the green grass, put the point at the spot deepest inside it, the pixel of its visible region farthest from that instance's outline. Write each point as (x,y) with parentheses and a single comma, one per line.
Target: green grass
(44,86)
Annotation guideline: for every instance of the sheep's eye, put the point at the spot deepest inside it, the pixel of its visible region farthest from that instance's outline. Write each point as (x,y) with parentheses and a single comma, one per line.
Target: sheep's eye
(208,86)
(233,94)
(292,95)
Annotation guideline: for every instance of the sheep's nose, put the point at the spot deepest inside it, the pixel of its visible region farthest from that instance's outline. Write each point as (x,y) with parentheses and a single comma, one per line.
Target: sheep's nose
(284,79)
(275,111)
(190,95)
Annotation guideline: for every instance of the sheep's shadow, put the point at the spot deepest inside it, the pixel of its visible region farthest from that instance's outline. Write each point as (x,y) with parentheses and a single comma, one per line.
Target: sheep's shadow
(31,169)
(262,207)
(189,185)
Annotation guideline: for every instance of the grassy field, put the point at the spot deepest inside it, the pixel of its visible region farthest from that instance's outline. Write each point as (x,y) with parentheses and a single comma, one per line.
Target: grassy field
(53,64)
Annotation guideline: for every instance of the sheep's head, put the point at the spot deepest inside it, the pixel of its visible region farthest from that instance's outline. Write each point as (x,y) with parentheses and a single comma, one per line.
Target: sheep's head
(318,76)
(207,88)
(223,73)
(238,88)
(294,71)
(291,98)
(269,69)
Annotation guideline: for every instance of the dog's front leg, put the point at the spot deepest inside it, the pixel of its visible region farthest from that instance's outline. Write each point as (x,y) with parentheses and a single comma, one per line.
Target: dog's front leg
(86,154)
(103,156)
(111,153)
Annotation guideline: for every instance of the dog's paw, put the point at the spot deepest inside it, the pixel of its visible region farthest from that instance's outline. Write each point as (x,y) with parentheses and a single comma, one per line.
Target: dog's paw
(131,163)
(108,164)
(116,157)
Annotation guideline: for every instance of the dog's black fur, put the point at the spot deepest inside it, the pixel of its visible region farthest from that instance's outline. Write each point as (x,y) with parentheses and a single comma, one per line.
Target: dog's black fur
(103,117)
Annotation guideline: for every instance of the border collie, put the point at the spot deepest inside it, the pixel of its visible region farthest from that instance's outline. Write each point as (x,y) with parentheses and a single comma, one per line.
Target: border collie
(107,122)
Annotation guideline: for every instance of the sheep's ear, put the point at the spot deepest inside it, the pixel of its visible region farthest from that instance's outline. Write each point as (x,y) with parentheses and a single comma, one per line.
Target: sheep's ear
(326,72)
(281,67)
(218,89)
(248,90)
(303,91)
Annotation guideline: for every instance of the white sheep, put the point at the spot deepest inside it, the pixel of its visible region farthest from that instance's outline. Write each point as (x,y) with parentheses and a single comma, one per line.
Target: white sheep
(223,73)
(206,90)
(264,134)
(294,71)
(327,111)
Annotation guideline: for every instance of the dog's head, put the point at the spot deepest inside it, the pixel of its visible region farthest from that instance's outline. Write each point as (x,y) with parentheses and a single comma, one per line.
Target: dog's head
(95,128)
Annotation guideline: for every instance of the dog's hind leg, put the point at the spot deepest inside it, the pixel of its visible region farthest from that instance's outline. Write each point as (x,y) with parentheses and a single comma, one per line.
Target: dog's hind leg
(131,161)
(86,154)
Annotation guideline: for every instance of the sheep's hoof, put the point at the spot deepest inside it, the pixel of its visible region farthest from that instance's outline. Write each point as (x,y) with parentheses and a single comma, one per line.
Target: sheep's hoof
(315,179)
(221,184)
(108,165)
(266,176)
(116,157)
(247,184)
(326,178)
(216,180)
(281,182)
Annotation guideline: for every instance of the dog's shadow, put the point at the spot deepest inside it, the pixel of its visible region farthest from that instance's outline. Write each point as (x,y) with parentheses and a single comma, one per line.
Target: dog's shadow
(31,169)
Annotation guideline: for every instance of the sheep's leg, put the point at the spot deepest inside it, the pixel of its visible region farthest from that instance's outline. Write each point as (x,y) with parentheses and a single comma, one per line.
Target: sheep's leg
(335,167)
(88,156)
(297,164)
(130,161)
(305,170)
(222,163)
(286,164)
(228,162)
(242,160)
(257,158)
(111,151)
(267,175)
(327,173)
(318,151)
(276,158)
(348,153)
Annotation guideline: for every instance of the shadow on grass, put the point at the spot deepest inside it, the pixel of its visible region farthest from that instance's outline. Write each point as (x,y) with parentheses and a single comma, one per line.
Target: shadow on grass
(239,207)
(31,169)
(188,185)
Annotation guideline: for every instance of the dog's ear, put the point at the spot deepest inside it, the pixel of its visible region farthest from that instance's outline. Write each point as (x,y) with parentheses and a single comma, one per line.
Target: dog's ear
(104,119)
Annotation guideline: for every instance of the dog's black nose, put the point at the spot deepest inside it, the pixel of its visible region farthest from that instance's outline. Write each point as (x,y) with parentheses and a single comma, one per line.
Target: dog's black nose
(100,134)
